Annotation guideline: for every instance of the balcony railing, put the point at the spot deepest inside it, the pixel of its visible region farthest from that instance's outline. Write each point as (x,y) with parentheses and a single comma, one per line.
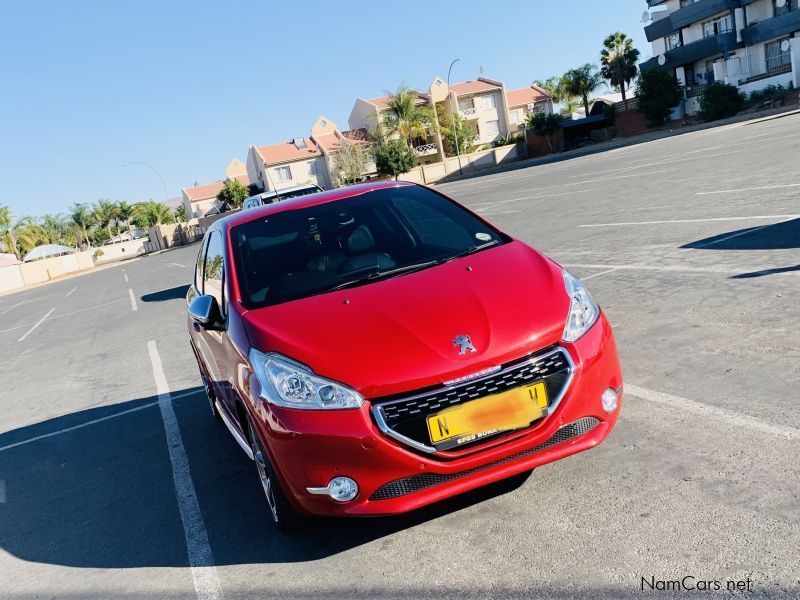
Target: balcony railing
(771,28)
(694,51)
(426,149)
(692,13)
(779,70)
(468,113)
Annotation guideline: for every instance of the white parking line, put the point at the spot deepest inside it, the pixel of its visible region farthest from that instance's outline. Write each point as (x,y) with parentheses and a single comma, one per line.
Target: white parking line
(665,268)
(690,220)
(600,273)
(69,293)
(735,235)
(126,277)
(720,414)
(92,422)
(62,315)
(178,265)
(13,306)
(39,322)
(201,561)
(751,189)
(134,308)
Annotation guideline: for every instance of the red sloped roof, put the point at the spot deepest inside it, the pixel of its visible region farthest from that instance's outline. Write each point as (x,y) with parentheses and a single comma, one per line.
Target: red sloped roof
(204,192)
(525,95)
(472,87)
(288,152)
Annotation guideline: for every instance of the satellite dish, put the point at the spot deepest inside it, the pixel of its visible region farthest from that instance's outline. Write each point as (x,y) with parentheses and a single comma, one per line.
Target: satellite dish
(662,60)
(780,3)
(785,45)
(646,16)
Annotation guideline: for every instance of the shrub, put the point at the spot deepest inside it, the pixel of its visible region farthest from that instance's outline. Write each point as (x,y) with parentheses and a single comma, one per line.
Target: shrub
(657,93)
(98,253)
(720,100)
(393,158)
(770,93)
(546,126)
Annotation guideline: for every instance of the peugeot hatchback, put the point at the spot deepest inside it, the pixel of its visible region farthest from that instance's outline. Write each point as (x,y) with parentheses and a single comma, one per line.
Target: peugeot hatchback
(379,347)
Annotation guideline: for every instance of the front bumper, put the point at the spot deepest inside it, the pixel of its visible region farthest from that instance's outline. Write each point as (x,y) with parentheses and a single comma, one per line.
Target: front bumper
(308,448)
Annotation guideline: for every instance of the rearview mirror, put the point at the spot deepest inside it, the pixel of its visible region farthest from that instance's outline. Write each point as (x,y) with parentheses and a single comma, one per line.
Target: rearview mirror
(204,311)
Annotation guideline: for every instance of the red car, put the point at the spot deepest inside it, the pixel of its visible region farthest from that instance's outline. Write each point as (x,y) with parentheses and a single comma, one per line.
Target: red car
(379,347)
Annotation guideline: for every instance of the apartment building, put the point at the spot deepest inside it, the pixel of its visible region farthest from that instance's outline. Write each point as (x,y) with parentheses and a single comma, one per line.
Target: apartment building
(304,160)
(523,102)
(747,43)
(200,199)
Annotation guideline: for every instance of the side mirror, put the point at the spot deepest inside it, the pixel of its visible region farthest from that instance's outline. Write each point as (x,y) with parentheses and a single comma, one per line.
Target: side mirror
(204,311)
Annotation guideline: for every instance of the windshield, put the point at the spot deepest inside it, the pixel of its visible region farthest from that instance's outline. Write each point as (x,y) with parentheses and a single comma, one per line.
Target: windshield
(383,233)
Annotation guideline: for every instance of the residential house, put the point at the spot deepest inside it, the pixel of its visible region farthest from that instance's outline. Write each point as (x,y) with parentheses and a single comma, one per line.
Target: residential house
(483,105)
(200,199)
(747,43)
(369,115)
(523,102)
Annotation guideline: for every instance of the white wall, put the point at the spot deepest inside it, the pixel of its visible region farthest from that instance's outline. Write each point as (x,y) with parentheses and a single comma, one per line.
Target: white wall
(114,252)
(759,11)
(10,278)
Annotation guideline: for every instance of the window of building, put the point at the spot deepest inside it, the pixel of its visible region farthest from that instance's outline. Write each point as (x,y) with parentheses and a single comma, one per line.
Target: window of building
(685,3)
(489,102)
(493,127)
(717,26)
(283,173)
(776,57)
(781,8)
(516,116)
(312,168)
(466,103)
(673,41)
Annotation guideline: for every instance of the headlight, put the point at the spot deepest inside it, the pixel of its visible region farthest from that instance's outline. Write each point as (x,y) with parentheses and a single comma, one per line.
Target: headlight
(583,311)
(285,382)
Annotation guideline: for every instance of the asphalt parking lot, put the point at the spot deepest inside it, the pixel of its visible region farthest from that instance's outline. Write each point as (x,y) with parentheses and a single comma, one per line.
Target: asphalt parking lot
(691,245)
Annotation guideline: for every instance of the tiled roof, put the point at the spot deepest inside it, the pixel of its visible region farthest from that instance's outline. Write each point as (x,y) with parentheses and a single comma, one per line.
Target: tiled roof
(472,87)
(288,152)
(383,102)
(525,95)
(331,142)
(204,192)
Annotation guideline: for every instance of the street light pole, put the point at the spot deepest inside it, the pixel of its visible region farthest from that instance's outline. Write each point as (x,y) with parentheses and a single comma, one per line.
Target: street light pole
(455,122)
(156,171)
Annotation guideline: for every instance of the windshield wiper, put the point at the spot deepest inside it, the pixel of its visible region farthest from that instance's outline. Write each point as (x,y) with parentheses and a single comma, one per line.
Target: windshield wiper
(376,275)
(472,250)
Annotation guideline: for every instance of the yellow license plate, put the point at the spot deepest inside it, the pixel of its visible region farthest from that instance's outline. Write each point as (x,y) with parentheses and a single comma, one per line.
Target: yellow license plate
(473,420)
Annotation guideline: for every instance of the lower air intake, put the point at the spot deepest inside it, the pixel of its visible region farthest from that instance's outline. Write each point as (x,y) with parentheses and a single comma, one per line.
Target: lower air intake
(415,483)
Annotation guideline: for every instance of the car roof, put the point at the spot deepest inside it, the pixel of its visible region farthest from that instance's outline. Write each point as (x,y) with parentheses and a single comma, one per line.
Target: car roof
(252,214)
(271,193)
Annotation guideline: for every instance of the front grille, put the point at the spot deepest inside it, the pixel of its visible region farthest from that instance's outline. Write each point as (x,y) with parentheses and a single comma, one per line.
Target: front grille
(416,483)
(405,418)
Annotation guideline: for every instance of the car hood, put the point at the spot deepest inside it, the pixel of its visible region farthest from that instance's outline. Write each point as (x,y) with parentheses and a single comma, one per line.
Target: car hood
(397,335)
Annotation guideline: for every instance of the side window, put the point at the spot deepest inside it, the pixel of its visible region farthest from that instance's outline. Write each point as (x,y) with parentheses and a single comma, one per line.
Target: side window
(432,226)
(214,270)
(198,269)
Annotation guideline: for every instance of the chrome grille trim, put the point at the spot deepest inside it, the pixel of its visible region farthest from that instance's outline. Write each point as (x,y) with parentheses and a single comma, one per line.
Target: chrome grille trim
(377,409)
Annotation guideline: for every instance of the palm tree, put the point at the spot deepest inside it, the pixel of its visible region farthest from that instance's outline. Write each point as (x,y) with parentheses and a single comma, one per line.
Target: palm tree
(618,59)
(582,81)
(104,213)
(557,89)
(53,228)
(29,234)
(405,116)
(7,236)
(81,216)
(125,212)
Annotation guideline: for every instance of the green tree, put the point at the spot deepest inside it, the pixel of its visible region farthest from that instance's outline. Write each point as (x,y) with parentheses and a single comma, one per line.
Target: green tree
(104,213)
(393,158)
(125,212)
(53,228)
(406,117)
(233,193)
(453,126)
(581,82)
(82,218)
(719,101)
(546,126)
(180,213)
(618,60)
(150,213)
(350,161)
(557,89)
(7,237)
(657,93)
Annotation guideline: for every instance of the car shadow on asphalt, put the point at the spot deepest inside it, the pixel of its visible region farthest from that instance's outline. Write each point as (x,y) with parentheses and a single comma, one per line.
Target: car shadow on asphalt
(94,489)
(778,236)
(175,293)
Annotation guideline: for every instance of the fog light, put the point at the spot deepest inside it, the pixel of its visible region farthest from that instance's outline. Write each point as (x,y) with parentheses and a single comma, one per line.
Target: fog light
(609,400)
(341,489)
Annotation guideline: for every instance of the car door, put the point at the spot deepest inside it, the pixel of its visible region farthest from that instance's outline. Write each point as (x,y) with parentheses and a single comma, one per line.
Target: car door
(214,346)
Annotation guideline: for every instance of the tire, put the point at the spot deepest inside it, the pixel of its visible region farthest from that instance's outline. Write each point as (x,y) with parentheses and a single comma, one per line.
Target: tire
(282,513)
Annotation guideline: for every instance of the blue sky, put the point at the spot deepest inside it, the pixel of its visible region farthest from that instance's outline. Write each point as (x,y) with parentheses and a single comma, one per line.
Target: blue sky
(187,86)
